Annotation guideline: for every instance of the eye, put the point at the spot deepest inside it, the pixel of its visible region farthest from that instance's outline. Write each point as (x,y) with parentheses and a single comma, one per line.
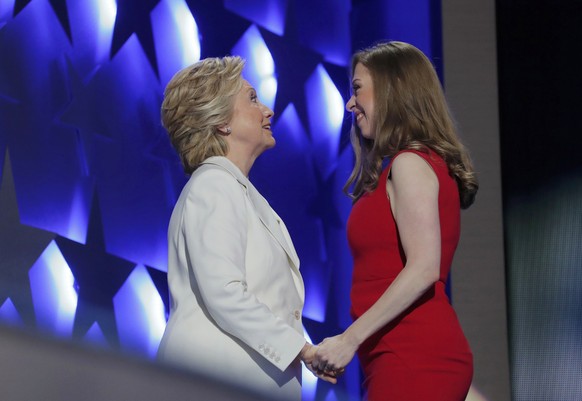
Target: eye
(355,89)
(254,97)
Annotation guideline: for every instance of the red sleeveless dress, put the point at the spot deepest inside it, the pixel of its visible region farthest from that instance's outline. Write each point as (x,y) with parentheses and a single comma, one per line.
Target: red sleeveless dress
(423,354)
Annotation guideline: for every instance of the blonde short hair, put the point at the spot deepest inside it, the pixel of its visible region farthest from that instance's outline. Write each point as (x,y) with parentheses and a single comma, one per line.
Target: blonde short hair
(197,101)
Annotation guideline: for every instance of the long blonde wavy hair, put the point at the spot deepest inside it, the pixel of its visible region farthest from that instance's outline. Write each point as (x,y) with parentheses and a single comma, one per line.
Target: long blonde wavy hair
(197,101)
(410,113)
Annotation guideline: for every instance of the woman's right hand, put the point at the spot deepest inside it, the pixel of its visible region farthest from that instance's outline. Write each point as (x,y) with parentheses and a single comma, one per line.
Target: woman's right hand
(307,355)
(334,353)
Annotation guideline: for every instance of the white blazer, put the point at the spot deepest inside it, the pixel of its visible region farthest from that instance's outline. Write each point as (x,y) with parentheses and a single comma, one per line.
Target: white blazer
(235,289)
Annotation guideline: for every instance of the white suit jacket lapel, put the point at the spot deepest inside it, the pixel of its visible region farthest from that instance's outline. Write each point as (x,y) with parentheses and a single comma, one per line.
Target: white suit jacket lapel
(268,217)
(272,222)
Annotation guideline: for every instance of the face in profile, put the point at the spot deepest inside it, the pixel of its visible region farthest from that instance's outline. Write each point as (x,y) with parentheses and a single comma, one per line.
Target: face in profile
(361,104)
(251,122)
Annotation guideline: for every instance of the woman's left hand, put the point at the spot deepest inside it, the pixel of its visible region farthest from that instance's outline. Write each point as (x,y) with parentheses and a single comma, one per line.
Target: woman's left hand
(334,353)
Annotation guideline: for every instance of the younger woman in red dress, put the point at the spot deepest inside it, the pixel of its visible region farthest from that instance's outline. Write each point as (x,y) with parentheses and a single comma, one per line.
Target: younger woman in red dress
(403,231)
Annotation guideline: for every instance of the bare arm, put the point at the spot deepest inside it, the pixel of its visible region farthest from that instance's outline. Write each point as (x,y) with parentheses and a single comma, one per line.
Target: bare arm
(413,191)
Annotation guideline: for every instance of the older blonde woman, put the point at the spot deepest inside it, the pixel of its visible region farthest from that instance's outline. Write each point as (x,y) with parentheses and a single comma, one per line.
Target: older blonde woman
(233,273)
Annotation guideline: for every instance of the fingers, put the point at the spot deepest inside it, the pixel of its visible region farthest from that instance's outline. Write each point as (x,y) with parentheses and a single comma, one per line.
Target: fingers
(333,371)
(317,360)
(307,352)
(323,365)
(322,375)
(338,372)
(326,370)
(327,378)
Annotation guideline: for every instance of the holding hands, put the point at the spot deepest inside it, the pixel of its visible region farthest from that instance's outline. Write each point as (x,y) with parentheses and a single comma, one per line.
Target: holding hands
(329,359)
(307,355)
(334,353)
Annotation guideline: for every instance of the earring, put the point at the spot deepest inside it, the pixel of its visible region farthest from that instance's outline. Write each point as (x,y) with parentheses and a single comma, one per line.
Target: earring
(228,130)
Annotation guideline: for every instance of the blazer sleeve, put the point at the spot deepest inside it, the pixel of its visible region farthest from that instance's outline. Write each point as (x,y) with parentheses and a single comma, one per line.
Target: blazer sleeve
(215,230)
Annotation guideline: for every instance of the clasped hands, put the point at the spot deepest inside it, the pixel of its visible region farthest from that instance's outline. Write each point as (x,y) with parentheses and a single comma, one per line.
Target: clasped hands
(328,359)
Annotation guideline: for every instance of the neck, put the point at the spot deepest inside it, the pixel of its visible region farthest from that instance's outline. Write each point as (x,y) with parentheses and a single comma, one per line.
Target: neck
(243,163)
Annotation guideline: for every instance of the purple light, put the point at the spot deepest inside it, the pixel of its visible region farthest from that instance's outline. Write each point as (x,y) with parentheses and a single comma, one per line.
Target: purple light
(140,313)
(269,14)
(92,23)
(260,66)
(9,314)
(6,10)
(53,292)
(326,112)
(175,36)
(95,336)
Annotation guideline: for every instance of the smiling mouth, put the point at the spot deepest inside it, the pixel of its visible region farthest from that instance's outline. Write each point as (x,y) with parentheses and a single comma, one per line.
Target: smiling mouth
(268,126)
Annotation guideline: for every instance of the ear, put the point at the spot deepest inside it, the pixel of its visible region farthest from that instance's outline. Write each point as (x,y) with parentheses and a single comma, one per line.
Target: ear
(224,129)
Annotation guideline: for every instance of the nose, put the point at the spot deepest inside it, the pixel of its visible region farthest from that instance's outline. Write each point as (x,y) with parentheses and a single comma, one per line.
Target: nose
(267,111)
(350,104)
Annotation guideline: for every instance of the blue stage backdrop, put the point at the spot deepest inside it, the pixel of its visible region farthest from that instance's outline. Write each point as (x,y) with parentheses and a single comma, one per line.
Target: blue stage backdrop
(89,178)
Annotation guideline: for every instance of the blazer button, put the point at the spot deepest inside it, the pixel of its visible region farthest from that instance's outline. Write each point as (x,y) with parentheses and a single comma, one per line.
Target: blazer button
(297,315)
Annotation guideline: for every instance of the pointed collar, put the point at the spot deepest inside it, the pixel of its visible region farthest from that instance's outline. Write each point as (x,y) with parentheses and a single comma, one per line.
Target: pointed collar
(229,166)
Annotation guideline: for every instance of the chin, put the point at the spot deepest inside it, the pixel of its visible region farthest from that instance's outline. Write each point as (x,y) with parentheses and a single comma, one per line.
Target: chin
(267,147)
(366,134)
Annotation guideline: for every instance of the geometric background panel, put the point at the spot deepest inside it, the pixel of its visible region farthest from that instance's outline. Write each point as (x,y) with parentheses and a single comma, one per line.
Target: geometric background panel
(45,158)
(259,66)
(54,294)
(96,337)
(133,20)
(176,37)
(399,15)
(289,194)
(417,22)
(325,108)
(20,247)
(291,74)
(129,176)
(8,314)
(140,314)
(269,14)
(325,28)
(6,9)
(92,23)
